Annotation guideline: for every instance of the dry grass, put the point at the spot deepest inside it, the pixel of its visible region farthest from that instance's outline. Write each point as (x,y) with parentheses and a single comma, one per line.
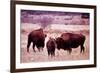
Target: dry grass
(60,55)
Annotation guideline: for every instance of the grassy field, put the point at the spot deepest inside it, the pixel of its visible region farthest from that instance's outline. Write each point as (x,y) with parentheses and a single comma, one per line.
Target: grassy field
(53,32)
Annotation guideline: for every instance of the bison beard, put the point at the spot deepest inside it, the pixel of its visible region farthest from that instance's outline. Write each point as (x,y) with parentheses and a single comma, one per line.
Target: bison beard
(37,37)
(67,41)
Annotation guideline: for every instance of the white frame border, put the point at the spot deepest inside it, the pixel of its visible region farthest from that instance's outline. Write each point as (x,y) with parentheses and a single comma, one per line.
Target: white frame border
(52,64)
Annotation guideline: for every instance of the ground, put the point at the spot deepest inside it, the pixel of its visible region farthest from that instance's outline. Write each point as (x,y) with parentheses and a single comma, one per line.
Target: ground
(59,55)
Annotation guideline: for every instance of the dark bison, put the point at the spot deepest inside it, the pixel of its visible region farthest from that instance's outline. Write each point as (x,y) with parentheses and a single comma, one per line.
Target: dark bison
(67,41)
(51,45)
(37,37)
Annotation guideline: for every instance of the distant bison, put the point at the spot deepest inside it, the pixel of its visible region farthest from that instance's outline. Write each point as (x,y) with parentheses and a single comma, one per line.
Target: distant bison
(37,37)
(51,45)
(67,41)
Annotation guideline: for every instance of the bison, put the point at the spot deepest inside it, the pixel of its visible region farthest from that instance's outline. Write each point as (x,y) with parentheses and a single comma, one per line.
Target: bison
(67,41)
(51,45)
(37,37)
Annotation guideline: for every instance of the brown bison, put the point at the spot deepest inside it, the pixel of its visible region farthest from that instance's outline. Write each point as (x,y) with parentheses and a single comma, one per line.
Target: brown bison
(51,45)
(37,37)
(67,41)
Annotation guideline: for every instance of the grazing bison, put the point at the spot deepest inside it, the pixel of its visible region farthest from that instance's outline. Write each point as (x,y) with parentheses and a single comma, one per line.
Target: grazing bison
(37,37)
(51,45)
(67,41)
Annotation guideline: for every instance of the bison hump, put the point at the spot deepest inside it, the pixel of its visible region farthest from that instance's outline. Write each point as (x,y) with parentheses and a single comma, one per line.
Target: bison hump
(65,37)
(69,36)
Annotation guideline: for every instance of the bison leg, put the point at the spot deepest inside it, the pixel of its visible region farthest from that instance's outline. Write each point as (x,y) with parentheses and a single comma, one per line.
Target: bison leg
(29,42)
(48,52)
(70,50)
(52,53)
(82,45)
(82,48)
(38,48)
(33,47)
(42,48)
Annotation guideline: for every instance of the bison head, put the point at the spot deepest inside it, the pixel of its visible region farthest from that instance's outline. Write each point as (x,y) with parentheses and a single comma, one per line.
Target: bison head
(59,42)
